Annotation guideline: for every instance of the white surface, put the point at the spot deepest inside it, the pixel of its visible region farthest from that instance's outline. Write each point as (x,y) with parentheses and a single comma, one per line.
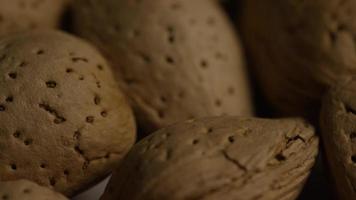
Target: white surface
(94,193)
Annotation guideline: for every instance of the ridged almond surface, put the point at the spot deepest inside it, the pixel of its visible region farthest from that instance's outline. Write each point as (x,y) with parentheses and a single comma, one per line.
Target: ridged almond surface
(218,158)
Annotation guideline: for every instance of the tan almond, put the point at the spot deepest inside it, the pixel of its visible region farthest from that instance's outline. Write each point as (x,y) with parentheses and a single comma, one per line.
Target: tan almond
(64,122)
(218,158)
(23,189)
(176,59)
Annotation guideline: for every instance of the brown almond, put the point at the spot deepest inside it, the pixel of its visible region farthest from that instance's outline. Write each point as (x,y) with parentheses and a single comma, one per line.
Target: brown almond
(176,59)
(218,158)
(64,122)
(299,49)
(23,189)
(22,15)
(337,121)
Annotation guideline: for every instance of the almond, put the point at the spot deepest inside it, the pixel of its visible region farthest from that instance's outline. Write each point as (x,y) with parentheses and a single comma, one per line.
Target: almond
(299,49)
(218,158)
(64,122)
(337,121)
(175,59)
(22,15)
(23,189)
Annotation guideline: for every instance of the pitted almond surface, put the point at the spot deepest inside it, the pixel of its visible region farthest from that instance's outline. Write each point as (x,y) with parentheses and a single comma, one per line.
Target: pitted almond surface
(219,158)
(26,190)
(64,122)
(176,59)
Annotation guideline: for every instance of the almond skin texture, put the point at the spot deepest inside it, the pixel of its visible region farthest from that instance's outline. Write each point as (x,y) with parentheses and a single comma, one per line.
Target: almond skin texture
(218,158)
(21,15)
(26,190)
(299,49)
(64,122)
(338,125)
(176,59)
